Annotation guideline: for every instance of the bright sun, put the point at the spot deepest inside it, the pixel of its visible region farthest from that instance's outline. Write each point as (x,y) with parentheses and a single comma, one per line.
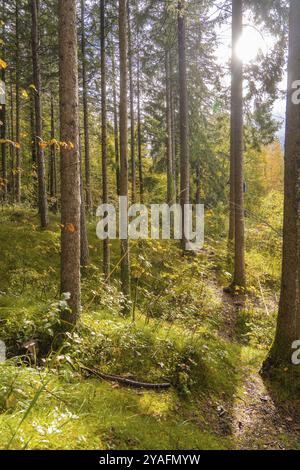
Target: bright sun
(250,44)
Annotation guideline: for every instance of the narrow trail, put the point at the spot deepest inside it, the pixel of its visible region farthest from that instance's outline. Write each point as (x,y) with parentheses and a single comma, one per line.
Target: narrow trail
(257,422)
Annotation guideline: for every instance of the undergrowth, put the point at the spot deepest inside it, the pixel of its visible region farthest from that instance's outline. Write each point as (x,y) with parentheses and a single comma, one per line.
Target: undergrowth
(173,335)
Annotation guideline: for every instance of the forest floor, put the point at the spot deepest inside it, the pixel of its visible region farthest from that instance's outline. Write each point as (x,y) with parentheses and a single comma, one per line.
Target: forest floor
(186,331)
(258,422)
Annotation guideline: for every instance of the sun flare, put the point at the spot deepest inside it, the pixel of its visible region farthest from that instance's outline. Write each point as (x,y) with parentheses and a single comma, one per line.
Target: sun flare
(250,44)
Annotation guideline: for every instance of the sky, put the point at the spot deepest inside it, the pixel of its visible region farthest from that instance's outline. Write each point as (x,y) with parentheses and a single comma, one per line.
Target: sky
(254,39)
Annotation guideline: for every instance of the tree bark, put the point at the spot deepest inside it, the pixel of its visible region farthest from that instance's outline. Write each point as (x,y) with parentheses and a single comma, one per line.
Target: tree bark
(18,168)
(231,234)
(42,192)
(174,153)
(184,131)
(198,183)
(12,148)
(89,201)
(3,128)
(239,279)
(170,174)
(106,250)
(139,132)
(70,163)
(132,116)
(33,131)
(125,267)
(288,325)
(53,171)
(84,243)
(116,125)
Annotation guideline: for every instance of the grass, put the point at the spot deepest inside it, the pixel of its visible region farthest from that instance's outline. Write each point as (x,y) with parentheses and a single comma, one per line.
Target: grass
(175,338)
(92,415)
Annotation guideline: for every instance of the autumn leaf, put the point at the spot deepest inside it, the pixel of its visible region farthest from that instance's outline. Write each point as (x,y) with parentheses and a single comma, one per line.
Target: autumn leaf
(10,142)
(3,64)
(69,228)
(32,86)
(24,94)
(43,145)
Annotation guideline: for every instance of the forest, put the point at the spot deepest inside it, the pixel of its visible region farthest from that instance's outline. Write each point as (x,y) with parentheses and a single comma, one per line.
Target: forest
(149,226)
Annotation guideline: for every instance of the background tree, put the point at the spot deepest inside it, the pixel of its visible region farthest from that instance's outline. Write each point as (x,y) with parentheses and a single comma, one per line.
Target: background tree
(42,193)
(184,133)
(85,111)
(125,267)
(237,211)
(288,325)
(106,250)
(70,163)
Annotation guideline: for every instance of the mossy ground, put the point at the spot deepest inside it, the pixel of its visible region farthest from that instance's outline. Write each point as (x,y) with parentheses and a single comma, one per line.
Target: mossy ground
(182,333)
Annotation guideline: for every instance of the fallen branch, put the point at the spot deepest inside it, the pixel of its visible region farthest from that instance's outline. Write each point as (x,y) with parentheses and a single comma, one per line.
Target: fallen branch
(124,381)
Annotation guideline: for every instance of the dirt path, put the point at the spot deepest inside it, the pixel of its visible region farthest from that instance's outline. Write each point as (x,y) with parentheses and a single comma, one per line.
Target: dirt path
(257,422)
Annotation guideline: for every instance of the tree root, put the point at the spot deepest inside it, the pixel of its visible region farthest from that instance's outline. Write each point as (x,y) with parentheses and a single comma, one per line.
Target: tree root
(124,381)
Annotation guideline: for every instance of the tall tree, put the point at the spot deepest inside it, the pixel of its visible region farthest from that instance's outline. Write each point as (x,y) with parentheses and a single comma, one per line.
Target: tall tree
(106,250)
(170,173)
(86,126)
(53,169)
(3,123)
(139,131)
(84,243)
(42,192)
(173,124)
(288,325)
(184,131)
(18,169)
(116,125)
(12,138)
(132,116)
(70,163)
(237,168)
(123,115)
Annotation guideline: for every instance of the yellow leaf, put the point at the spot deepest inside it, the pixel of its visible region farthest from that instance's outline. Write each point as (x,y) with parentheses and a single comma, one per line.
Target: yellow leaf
(3,64)
(33,87)
(24,94)
(43,145)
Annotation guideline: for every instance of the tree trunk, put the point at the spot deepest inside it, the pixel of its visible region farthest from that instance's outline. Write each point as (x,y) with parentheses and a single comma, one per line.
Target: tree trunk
(139,131)
(70,163)
(234,60)
(42,192)
(288,325)
(116,125)
(132,117)
(170,182)
(3,129)
(12,148)
(84,243)
(106,250)
(239,279)
(89,202)
(173,124)
(125,268)
(18,169)
(184,145)
(198,183)
(53,172)
(33,130)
